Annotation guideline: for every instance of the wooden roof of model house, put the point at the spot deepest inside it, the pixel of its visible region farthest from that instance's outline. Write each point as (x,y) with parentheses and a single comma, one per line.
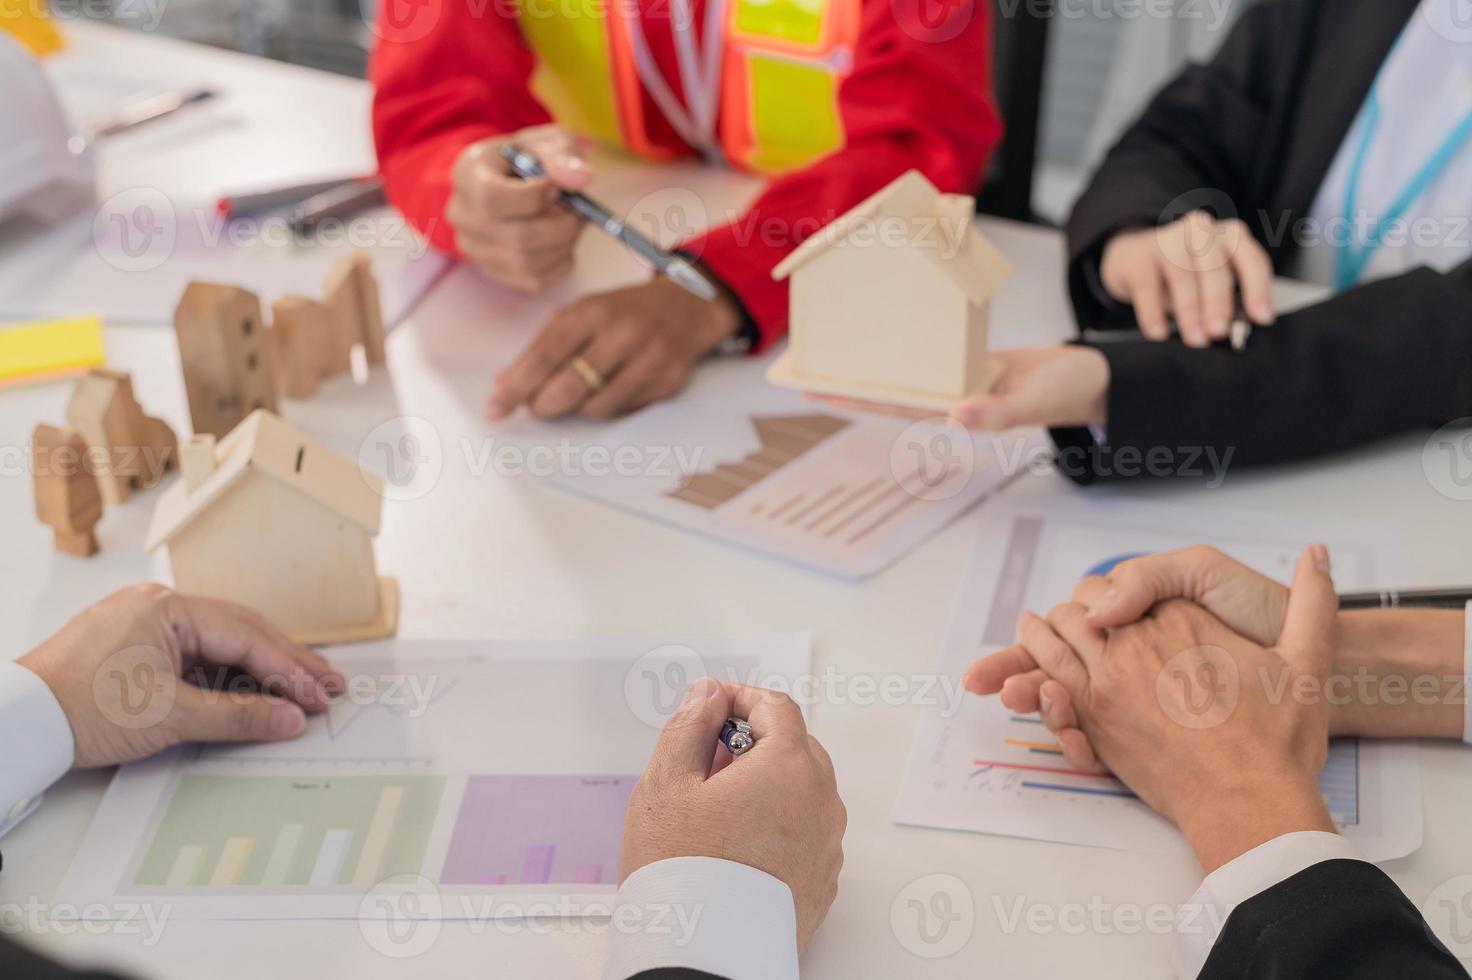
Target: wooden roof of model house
(938,225)
(267,445)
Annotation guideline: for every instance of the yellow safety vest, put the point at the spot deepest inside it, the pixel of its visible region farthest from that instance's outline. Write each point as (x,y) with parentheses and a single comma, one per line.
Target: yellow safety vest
(782,64)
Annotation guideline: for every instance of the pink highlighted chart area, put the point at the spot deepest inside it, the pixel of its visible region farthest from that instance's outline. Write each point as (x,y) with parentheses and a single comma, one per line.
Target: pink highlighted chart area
(538,830)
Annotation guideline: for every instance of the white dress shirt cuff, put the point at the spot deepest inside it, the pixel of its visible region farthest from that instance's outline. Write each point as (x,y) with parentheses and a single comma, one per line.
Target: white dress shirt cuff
(702,913)
(1200,921)
(37,739)
(1467,672)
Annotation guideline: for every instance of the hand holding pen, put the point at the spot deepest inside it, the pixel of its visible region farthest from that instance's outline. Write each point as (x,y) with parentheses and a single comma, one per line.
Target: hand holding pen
(775,809)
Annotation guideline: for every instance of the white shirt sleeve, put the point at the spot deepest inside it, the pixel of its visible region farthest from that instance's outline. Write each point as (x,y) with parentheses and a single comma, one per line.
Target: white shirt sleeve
(1200,921)
(37,740)
(702,913)
(1467,672)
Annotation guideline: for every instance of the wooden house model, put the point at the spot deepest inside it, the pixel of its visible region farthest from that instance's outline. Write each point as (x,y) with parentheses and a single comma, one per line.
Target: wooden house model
(275,520)
(890,302)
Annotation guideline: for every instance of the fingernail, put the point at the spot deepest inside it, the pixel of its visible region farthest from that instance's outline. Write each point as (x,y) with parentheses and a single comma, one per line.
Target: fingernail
(967,679)
(495,411)
(570,162)
(967,415)
(1046,703)
(1320,555)
(1220,327)
(702,690)
(287,721)
(1105,601)
(1263,313)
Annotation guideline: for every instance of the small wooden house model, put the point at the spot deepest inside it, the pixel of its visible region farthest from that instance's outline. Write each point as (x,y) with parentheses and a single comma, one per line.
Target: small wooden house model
(274,520)
(132,449)
(890,301)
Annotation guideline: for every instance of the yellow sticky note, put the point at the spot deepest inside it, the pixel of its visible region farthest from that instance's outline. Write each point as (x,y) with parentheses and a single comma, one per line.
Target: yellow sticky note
(51,349)
(31,25)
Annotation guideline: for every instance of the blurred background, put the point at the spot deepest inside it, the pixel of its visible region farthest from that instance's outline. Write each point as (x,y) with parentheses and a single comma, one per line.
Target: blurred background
(1072,72)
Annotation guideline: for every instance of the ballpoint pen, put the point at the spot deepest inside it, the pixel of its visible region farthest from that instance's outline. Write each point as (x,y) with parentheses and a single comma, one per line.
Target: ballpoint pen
(675,267)
(736,736)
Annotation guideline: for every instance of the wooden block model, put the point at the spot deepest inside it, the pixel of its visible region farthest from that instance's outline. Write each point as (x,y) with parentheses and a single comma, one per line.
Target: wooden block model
(307,345)
(352,292)
(68,499)
(273,519)
(130,450)
(890,301)
(226,355)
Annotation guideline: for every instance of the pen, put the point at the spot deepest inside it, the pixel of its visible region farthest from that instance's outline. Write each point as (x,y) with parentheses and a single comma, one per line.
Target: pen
(343,202)
(736,736)
(147,110)
(1450,598)
(259,202)
(675,267)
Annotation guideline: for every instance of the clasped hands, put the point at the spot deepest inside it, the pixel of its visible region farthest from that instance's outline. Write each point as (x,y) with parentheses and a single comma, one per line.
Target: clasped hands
(1207,688)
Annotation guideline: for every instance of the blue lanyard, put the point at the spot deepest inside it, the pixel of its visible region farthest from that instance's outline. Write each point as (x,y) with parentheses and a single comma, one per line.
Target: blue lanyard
(1354,257)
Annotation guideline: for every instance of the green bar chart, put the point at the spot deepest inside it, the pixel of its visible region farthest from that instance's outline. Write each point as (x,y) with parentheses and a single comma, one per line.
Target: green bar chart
(222,831)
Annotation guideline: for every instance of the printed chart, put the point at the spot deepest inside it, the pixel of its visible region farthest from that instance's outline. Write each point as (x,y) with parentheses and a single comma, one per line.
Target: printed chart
(844,494)
(493,777)
(985,769)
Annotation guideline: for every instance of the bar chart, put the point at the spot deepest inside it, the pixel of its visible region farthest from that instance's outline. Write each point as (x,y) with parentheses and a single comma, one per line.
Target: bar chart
(538,830)
(224,831)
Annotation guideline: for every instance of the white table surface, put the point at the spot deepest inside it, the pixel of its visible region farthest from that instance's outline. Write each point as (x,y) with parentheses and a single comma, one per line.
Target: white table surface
(496,557)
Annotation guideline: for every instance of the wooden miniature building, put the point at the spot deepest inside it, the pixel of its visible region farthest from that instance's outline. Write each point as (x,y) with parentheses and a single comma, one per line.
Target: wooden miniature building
(890,301)
(67,496)
(226,355)
(351,292)
(131,451)
(275,520)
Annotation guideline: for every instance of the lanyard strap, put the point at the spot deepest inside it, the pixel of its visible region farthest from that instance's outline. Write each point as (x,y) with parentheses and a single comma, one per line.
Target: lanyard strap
(1354,257)
(700,70)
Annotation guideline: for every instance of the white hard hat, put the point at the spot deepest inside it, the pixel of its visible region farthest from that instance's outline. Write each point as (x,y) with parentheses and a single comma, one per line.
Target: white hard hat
(45,172)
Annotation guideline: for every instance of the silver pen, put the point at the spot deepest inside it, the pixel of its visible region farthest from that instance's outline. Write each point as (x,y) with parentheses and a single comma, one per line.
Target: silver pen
(675,267)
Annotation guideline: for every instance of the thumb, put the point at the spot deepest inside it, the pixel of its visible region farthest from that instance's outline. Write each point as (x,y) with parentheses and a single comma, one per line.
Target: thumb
(1308,627)
(1137,584)
(688,743)
(560,156)
(989,413)
(220,716)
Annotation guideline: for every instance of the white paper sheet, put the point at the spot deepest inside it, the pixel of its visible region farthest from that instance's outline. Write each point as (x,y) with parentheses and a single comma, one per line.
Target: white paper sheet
(987,770)
(455,781)
(761,468)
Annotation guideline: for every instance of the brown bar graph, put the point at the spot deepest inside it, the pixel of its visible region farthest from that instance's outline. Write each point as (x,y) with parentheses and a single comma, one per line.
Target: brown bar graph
(782,439)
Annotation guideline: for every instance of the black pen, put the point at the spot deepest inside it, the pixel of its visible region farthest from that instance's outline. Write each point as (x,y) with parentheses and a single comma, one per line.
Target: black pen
(354,197)
(1450,598)
(675,267)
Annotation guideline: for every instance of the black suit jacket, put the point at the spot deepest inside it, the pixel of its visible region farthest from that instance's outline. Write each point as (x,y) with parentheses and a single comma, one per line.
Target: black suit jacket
(1337,920)
(1252,135)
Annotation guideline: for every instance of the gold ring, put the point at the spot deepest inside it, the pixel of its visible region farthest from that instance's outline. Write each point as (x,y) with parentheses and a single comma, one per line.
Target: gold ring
(590,375)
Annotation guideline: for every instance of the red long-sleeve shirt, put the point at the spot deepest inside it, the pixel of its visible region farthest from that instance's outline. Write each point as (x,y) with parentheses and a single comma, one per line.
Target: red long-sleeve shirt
(919,95)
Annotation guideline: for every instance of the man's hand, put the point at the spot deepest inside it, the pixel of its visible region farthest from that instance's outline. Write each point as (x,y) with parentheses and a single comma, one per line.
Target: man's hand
(637,346)
(1192,268)
(121,670)
(776,808)
(1052,386)
(512,229)
(1183,710)
(1377,653)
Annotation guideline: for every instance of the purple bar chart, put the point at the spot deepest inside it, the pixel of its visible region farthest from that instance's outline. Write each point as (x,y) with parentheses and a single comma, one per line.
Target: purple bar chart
(538,830)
